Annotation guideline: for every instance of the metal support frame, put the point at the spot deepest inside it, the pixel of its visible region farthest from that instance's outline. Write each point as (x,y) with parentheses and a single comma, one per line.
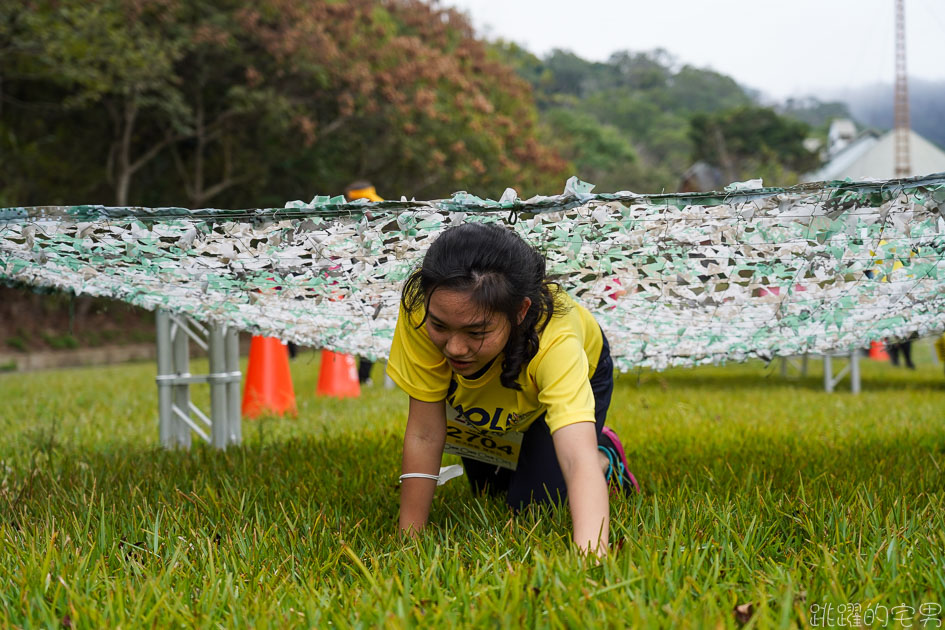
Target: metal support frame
(830,380)
(852,368)
(798,363)
(177,415)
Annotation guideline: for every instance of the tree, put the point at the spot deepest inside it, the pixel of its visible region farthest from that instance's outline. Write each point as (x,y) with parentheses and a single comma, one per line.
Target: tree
(642,71)
(645,98)
(814,112)
(695,89)
(571,75)
(599,153)
(235,102)
(748,142)
(84,54)
(98,56)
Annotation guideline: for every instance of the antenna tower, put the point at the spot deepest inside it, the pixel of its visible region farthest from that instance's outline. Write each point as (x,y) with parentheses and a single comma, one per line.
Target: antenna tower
(901,107)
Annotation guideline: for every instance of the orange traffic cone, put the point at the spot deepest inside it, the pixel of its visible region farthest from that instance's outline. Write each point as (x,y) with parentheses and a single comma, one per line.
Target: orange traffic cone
(338,376)
(268,381)
(878,351)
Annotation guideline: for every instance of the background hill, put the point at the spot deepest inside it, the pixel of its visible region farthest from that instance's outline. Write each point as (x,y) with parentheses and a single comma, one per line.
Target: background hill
(873,106)
(639,120)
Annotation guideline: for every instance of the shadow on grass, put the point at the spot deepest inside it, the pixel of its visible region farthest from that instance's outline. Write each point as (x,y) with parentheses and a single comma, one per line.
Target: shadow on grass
(740,379)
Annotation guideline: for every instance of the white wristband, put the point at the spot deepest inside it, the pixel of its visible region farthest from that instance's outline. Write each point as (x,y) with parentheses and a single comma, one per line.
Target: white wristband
(419,476)
(446,473)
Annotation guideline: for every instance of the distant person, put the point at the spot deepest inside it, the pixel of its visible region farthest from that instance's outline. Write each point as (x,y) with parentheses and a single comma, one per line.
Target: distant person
(905,349)
(363,189)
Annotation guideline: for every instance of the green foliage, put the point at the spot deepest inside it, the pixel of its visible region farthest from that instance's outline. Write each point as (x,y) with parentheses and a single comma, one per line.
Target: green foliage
(752,142)
(693,89)
(642,71)
(18,342)
(64,341)
(646,100)
(568,74)
(758,491)
(816,113)
(232,104)
(600,153)
(236,104)
(526,64)
(96,51)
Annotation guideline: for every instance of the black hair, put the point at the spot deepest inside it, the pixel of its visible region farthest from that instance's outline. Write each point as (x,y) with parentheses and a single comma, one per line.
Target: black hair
(499,270)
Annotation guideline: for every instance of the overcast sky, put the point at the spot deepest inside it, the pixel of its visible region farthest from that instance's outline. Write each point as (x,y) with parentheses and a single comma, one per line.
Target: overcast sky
(781,47)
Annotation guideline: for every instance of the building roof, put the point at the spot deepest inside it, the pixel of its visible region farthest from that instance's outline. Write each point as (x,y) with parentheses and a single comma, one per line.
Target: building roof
(872,156)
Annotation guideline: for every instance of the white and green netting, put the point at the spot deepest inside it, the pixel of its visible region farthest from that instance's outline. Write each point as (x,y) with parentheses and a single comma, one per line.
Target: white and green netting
(674,279)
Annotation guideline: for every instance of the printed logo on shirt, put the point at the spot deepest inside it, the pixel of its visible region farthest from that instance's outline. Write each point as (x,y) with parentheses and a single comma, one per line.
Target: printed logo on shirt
(495,448)
(498,411)
(496,419)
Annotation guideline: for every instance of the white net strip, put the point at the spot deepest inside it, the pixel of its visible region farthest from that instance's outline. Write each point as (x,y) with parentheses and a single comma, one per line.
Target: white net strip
(680,279)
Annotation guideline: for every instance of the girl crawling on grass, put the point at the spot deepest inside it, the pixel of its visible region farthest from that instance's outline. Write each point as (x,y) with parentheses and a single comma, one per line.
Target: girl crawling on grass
(503,368)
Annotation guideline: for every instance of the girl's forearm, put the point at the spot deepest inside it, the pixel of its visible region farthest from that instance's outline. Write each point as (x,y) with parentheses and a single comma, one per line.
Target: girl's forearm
(590,509)
(576,449)
(416,495)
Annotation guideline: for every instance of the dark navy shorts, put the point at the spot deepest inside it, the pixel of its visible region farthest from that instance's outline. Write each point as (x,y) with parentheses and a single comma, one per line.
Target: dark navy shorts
(538,478)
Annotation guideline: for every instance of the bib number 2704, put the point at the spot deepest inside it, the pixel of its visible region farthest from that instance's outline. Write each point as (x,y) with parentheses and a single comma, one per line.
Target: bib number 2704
(465,440)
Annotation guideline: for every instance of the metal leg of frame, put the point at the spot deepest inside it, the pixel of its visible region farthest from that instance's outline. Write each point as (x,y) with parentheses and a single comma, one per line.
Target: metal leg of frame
(855,372)
(180,433)
(218,386)
(165,370)
(233,393)
(852,368)
(798,362)
(177,415)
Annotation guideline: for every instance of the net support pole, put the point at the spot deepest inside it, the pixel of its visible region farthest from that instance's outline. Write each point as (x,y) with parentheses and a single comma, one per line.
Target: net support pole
(177,415)
(180,431)
(797,362)
(165,371)
(234,421)
(852,368)
(219,414)
(855,372)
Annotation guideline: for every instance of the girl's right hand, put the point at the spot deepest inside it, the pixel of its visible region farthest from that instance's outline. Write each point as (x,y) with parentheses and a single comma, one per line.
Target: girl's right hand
(424,439)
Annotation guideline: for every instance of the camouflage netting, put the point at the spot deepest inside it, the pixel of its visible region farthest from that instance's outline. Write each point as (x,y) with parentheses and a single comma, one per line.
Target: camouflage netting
(679,279)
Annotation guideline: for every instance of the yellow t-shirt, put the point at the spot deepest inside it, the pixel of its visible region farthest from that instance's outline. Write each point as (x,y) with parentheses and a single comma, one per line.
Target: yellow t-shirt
(556,381)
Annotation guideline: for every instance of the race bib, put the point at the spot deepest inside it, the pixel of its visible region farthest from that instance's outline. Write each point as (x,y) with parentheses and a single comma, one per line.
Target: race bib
(491,447)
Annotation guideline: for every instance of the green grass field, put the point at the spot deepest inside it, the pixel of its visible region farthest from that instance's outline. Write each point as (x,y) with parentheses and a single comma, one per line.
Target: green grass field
(764,501)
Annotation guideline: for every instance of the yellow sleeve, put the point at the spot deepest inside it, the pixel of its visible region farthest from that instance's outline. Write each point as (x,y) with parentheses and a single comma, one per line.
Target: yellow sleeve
(563,385)
(415,364)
